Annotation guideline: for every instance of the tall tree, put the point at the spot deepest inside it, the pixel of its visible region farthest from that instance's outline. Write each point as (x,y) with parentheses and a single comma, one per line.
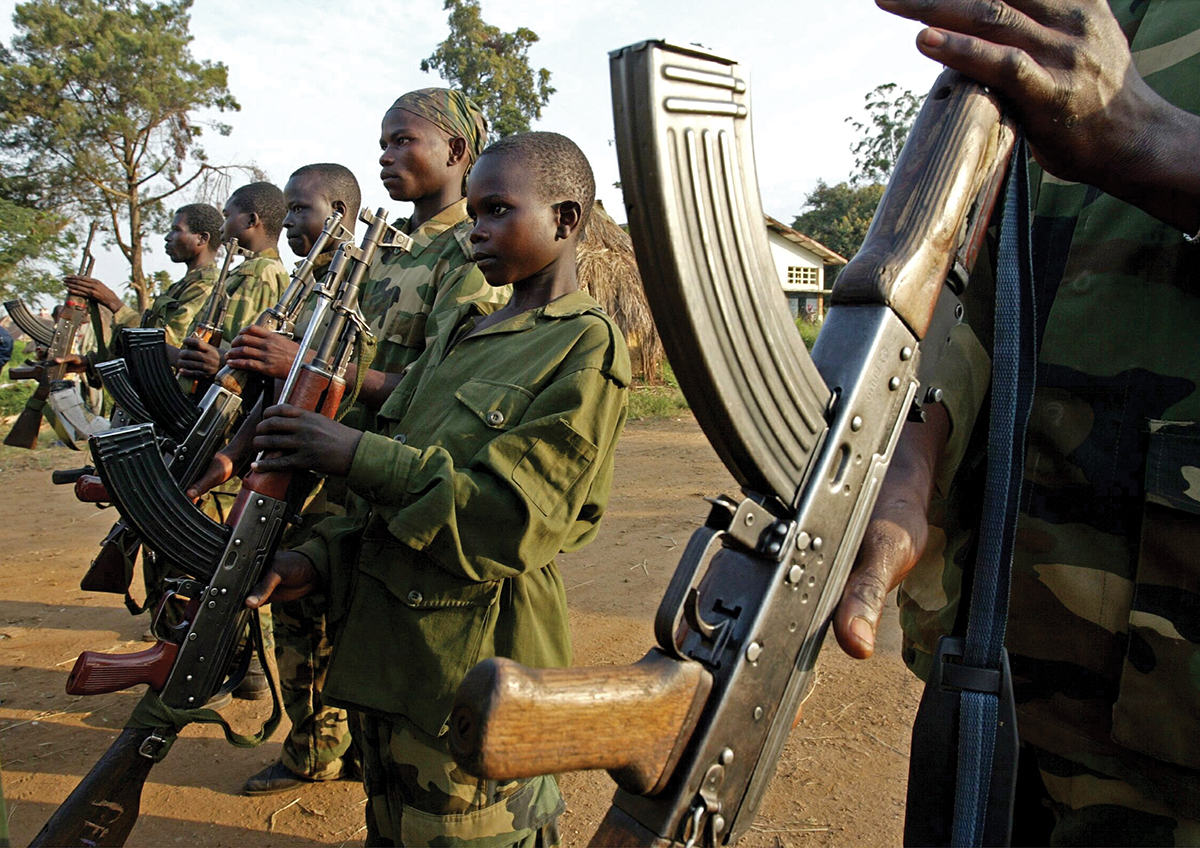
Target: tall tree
(34,243)
(891,111)
(492,68)
(838,216)
(97,105)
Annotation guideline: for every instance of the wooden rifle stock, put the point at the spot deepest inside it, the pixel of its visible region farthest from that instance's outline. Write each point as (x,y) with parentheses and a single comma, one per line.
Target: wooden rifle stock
(510,721)
(90,489)
(24,432)
(107,571)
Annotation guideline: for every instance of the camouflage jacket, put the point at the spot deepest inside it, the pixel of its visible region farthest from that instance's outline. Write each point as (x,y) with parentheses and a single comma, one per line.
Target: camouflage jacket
(1104,626)
(175,309)
(253,286)
(494,453)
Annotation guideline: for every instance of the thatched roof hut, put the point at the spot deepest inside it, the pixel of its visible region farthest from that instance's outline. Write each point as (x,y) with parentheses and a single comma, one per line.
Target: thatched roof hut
(609,273)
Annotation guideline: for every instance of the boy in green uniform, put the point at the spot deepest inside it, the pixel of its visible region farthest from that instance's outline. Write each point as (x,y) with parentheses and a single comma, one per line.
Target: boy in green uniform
(254,216)
(494,453)
(193,240)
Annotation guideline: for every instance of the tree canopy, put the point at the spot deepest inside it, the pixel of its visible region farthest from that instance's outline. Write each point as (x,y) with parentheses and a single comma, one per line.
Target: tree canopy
(98,103)
(838,216)
(891,111)
(33,244)
(492,68)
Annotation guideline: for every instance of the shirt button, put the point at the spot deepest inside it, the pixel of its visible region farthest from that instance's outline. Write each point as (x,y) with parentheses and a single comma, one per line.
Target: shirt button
(401,438)
(415,597)
(495,418)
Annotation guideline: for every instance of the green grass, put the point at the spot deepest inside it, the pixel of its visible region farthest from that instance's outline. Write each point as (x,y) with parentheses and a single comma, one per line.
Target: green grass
(808,331)
(660,401)
(14,393)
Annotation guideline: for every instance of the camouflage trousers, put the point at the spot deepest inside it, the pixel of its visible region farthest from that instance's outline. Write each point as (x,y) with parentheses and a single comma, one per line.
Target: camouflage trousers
(1087,807)
(320,734)
(417,795)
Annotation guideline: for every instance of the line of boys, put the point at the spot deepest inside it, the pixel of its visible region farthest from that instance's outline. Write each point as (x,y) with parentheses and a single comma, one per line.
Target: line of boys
(455,487)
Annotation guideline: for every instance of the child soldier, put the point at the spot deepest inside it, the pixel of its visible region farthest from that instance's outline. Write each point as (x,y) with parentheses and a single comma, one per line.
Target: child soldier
(319,737)
(493,454)
(193,240)
(254,216)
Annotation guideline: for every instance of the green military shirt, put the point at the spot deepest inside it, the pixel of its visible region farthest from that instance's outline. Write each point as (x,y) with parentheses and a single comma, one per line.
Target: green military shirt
(175,309)
(1103,632)
(254,285)
(495,453)
(407,292)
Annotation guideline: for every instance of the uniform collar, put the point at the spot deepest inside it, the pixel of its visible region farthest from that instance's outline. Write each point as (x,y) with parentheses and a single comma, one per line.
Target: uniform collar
(269,253)
(448,218)
(567,306)
(320,262)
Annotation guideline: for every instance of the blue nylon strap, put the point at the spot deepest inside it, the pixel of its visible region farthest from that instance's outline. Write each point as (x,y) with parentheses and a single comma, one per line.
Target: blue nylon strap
(1014,360)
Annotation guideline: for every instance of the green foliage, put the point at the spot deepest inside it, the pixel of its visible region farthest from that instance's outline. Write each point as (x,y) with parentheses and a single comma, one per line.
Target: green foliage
(492,68)
(33,244)
(891,111)
(14,393)
(808,331)
(664,400)
(96,108)
(838,216)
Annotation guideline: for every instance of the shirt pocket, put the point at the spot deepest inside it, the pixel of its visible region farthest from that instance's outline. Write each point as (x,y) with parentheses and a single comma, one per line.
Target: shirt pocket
(1158,703)
(552,465)
(498,405)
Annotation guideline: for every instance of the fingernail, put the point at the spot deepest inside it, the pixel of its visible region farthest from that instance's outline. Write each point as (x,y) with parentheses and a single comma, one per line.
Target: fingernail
(863,631)
(933,38)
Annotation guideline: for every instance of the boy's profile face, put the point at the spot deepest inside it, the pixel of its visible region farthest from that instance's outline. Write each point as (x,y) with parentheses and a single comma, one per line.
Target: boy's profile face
(307,208)
(515,228)
(182,244)
(415,161)
(238,224)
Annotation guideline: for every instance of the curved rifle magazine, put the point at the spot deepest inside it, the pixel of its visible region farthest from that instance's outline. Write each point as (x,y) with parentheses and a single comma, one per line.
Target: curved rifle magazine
(30,325)
(131,466)
(696,219)
(114,374)
(146,357)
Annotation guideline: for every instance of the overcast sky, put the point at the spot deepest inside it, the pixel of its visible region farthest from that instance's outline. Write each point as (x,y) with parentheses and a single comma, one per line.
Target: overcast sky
(314,78)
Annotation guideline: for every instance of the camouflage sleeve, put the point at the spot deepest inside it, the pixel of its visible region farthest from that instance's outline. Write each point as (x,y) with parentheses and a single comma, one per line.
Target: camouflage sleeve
(126,317)
(462,285)
(179,317)
(964,374)
(262,290)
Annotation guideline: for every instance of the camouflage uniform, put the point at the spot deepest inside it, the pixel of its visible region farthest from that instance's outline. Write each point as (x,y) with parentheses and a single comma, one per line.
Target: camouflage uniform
(514,427)
(1104,628)
(174,310)
(403,299)
(254,285)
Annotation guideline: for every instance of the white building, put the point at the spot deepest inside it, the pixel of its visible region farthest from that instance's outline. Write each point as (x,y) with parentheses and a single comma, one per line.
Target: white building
(800,262)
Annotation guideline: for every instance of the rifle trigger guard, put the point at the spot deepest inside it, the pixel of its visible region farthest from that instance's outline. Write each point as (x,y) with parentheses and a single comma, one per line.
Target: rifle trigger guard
(682,596)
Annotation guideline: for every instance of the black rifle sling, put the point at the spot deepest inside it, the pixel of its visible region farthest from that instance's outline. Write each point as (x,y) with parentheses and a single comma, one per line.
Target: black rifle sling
(962,771)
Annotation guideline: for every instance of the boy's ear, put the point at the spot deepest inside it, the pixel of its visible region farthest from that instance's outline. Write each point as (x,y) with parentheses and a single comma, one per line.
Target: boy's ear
(204,239)
(570,215)
(253,220)
(339,206)
(458,151)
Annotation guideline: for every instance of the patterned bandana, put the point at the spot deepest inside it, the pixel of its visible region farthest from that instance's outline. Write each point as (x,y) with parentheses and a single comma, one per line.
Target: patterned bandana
(452,112)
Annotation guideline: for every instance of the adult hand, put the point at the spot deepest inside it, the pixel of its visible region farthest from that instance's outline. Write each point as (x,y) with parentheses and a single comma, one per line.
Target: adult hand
(259,350)
(896,535)
(305,441)
(1064,65)
(198,360)
(93,289)
(290,576)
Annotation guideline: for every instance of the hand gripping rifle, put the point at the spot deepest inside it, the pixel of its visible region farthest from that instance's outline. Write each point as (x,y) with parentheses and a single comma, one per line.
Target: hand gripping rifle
(189,454)
(692,733)
(222,562)
(210,328)
(67,411)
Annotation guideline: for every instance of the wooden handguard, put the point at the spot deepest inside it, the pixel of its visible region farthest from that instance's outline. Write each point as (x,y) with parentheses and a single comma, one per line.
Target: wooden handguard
(919,225)
(90,489)
(510,721)
(96,674)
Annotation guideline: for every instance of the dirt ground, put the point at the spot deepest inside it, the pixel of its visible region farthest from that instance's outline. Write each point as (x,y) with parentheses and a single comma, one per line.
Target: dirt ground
(841,780)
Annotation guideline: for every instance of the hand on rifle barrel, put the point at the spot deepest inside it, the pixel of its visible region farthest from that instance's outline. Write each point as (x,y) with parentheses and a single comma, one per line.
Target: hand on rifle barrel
(219,470)
(198,360)
(75,363)
(896,535)
(290,576)
(259,350)
(93,289)
(1066,67)
(305,441)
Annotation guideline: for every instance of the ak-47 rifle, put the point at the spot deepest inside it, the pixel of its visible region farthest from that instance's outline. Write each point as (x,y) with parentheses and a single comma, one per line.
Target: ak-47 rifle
(187,455)
(210,328)
(53,386)
(692,733)
(222,562)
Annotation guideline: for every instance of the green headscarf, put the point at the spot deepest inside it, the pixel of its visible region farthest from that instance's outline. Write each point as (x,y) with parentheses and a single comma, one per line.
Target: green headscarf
(452,112)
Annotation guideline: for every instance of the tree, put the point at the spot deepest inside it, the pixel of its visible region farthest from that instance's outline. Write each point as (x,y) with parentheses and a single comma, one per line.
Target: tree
(97,103)
(492,68)
(891,111)
(838,216)
(33,244)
